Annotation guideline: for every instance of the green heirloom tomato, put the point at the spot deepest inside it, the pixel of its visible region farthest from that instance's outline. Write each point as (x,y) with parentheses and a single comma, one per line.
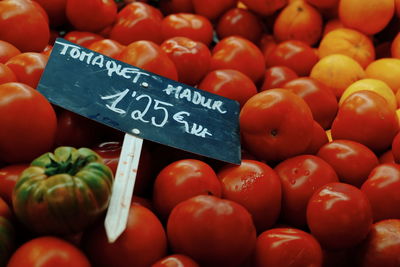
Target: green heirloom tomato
(7,240)
(64,192)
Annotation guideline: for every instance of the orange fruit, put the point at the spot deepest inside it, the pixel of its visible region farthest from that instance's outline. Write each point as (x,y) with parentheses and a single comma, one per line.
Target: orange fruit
(337,71)
(397,5)
(331,25)
(395,47)
(348,42)
(367,16)
(387,70)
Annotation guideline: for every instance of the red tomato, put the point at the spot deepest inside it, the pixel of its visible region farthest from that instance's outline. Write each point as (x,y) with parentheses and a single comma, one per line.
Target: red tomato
(365,117)
(91,15)
(267,44)
(55,9)
(193,26)
(137,21)
(8,178)
(110,152)
(107,47)
(382,189)
(27,37)
(382,247)
(241,22)
(287,247)
(5,210)
(82,38)
(212,231)
(319,97)
(276,124)
(301,176)
(176,260)
(386,157)
(229,83)
(176,6)
(339,216)
(265,7)
(182,180)
(188,55)
(319,138)
(212,9)
(22,141)
(240,54)
(396,148)
(141,244)
(277,76)
(7,51)
(6,74)
(256,187)
(294,54)
(149,56)
(28,67)
(46,252)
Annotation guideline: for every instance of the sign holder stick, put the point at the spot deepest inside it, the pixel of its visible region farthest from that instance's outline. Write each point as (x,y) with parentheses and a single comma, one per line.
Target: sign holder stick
(118,209)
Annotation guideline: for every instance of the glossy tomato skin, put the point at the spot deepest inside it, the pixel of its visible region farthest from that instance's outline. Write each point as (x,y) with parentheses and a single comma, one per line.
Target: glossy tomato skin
(137,21)
(182,180)
(7,51)
(49,251)
(6,74)
(141,244)
(256,187)
(176,260)
(286,247)
(28,67)
(301,176)
(22,142)
(108,47)
(188,55)
(14,14)
(82,38)
(109,152)
(212,231)
(382,189)
(276,124)
(237,53)
(8,177)
(229,83)
(351,160)
(264,7)
(396,148)
(339,216)
(212,9)
(319,138)
(277,76)
(55,9)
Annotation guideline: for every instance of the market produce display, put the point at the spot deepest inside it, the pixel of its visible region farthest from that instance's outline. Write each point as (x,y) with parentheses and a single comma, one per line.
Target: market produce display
(318,86)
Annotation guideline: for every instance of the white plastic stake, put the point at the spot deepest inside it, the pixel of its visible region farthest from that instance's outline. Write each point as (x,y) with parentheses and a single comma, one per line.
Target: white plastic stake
(118,209)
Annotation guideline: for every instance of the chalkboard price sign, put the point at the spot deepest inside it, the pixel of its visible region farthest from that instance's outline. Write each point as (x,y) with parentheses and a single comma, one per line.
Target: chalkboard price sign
(141,103)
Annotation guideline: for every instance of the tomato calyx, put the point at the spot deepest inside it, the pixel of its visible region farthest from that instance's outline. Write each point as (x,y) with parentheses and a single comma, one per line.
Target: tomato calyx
(68,166)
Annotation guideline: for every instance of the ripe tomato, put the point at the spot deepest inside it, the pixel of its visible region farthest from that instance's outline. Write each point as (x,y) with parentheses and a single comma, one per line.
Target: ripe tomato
(182,180)
(110,152)
(386,157)
(27,37)
(212,9)
(107,47)
(339,216)
(5,210)
(55,9)
(318,139)
(276,124)
(82,38)
(263,7)
(141,244)
(8,178)
(176,6)
(6,74)
(301,176)
(396,148)
(256,187)
(48,251)
(176,260)
(351,160)
(277,76)
(382,189)
(287,247)
(188,55)
(22,141)
(7,51)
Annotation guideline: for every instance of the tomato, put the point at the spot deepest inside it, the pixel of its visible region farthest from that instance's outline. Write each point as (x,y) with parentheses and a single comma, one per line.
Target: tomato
(6,74)
(351,160)
(80,14)
(365,117)
(109,152)
(149,56)
(193,26)
(229,83)
(181,180)
(22,141)
(7,240)
(382,247)
(176,260)
(265,7)
(319,97)
(256,187)
(48,251)
(396,148)
(287,247)
(318,139)
(339,216)
(301,176)
(5,210)
(276,124)
(82,38)
(107,47)
(240,54)
(212,231)
(212,9)
(8,178)
(137,21)
(55,10)
(386,157)
(141,244)
(176,6)
(241,22)
(188,55)
(381,188)
(27,37)
(294,54)
(28,67)
(7,51)
(277,76)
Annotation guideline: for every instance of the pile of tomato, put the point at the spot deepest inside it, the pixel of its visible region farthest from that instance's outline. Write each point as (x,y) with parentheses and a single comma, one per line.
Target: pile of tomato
(318,83)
